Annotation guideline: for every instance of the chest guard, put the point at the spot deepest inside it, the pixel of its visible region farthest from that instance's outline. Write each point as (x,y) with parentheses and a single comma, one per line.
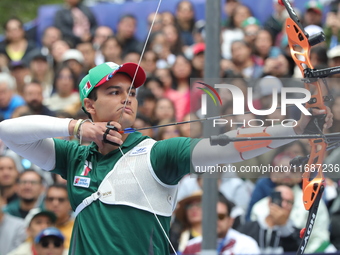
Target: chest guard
(130,178)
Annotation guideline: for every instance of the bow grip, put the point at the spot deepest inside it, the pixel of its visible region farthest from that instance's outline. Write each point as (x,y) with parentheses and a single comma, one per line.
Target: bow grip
(315,125)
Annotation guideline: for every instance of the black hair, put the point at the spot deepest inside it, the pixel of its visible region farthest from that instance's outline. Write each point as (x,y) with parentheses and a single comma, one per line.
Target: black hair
(222,199)
(13,18)
(131,16)
(57,186)
(321,53)
(30,170)
(155,79)
(144,118)
(57,73)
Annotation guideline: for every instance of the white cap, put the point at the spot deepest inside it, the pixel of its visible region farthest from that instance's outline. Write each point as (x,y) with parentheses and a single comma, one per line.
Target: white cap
(267,84)
(38,211)
(73,54)
(334,52)
(313,29)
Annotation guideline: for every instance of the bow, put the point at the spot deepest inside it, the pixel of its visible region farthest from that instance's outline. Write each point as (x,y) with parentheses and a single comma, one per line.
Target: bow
(300,43)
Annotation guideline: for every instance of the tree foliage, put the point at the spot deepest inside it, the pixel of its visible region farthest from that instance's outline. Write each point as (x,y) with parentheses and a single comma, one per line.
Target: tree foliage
(26,10)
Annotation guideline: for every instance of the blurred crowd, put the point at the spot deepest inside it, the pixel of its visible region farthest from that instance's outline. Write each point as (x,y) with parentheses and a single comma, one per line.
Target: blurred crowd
(37,216)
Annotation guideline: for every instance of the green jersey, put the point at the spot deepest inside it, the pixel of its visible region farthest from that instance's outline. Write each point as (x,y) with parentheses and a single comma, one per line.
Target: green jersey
(118,229)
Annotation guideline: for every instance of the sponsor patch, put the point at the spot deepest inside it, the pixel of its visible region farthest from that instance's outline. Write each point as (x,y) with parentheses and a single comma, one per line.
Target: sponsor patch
(139,151)
(80,181)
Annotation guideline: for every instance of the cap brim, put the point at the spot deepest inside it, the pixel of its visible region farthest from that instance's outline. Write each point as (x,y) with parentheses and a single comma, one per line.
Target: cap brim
(49,214)
(130,69)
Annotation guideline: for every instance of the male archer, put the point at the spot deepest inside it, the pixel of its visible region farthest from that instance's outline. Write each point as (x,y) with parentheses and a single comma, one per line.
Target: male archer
(122,186)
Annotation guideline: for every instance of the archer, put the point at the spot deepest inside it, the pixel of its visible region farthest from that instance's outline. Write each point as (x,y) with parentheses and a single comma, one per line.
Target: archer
(120,182)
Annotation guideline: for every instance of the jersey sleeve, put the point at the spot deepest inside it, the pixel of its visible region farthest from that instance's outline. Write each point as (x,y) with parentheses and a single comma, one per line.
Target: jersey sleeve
(171,158)
(65,152)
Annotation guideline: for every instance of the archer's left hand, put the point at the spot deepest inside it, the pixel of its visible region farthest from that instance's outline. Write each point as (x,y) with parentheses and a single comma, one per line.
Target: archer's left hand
(304,120)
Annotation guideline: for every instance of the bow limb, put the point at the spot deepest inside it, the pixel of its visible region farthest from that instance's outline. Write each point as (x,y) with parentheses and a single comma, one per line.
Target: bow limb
(300,49)
(300,44)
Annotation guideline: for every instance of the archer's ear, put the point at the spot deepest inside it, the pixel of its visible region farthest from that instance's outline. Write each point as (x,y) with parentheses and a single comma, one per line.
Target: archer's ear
(88,104)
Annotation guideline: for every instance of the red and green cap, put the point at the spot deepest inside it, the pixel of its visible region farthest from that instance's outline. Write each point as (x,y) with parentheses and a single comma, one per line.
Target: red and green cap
(102,73)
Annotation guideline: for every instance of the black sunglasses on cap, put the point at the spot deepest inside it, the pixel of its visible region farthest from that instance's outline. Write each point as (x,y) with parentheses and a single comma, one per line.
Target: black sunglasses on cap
(45,243)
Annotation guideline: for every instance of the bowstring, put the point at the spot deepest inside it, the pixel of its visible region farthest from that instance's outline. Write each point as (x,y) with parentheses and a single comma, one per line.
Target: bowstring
(120,119)
(140,60)
(146,197)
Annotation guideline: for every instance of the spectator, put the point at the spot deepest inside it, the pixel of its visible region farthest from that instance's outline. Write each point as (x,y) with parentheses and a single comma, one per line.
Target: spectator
(228,8)
(198,60)
(143,122)
(101,34)
(58,49)
(41,72)
(168,18)
(126,29)
(165,111)
(132,57)
(264,47)
(182,70)
(33,96)
(75,60)
(164,74)
(64,95)
(155,85)
(233,31)
(199,31)
(275,232)
(30,191)
(230,241)
(56,200)
(313,13)
(21,73)
(251,27)
(50,241)
(76,22)
(168,132)
(319,239)
(147,103)
(189,214)
(12,229)
(35,221)
(50,36)
(8,179)
(334,59)
(274,24)
(194,129)
(9,101)
(185,20)
(158,23)
(331,27)
(149,62)
(89,54)
(318,57)
(112,50)
(15,46)
(160,45)
(242,62)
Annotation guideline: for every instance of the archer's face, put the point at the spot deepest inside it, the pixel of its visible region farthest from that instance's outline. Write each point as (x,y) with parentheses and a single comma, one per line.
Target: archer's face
(111,97)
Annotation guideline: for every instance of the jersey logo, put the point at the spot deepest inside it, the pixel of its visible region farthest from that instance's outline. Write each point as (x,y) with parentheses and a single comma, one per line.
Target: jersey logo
(81,181)
(87,168)
(139,151)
